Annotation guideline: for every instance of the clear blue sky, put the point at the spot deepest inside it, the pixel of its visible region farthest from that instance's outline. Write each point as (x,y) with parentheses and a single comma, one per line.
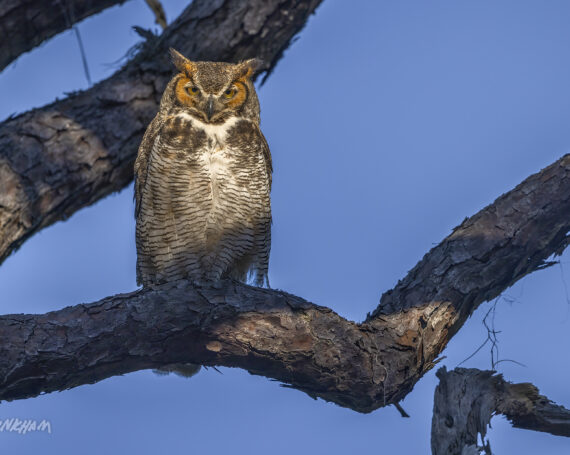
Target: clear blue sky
(389,122)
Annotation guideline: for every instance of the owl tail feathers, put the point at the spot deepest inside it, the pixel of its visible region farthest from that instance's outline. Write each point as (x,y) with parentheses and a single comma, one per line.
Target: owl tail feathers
(249,273)
(256,277)
(259,274)
(186,370)
(261,280)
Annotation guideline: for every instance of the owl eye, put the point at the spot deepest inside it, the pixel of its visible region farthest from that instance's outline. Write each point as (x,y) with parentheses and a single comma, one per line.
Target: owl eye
(229,93)
(192,90)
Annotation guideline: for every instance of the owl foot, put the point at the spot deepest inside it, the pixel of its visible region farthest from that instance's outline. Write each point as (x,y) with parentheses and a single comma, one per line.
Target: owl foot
(185,370)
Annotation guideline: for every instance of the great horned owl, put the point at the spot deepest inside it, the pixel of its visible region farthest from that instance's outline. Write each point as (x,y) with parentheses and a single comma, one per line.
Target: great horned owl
(203,178)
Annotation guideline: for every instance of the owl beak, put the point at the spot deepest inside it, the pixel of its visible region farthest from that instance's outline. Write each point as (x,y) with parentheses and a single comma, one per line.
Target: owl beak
(210,107)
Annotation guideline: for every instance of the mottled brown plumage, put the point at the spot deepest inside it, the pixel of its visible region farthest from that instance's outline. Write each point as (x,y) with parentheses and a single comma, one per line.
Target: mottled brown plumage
(203,178)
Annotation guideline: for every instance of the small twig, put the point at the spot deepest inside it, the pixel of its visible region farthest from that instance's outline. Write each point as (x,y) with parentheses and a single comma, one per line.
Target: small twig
(482,344)
(512,361)
(212,367)
(69,14)
(492,336)
(564,283)
(492,333)
(401,410)
(158,11)
(83,56)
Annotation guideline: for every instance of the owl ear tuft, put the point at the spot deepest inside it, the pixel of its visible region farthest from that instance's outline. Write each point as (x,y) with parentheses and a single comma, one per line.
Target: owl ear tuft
(181,63)
(248,68)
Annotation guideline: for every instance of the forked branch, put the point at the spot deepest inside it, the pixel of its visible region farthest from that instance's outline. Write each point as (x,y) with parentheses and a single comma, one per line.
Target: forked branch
(466,399)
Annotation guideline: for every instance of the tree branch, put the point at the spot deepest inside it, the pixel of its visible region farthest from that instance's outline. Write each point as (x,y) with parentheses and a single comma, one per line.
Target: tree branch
(309,347)
(62,157)
(466,399)
(25,24)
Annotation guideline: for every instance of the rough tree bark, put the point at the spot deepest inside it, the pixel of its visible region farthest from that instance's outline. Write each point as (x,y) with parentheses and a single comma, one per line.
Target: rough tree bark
(62,157)
(361,366)
(466,399)
(25,24)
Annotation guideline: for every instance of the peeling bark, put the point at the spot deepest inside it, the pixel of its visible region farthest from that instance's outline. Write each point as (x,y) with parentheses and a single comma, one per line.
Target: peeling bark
(466,399)
(62,157)
(25,24)
(267,332)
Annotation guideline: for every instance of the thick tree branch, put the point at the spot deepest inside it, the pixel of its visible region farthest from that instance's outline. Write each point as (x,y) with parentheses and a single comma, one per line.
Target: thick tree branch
(466,399)
(25,24)
(62,157)
(361,366)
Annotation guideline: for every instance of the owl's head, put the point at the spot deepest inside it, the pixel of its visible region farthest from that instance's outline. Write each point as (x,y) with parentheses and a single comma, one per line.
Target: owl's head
(214,91)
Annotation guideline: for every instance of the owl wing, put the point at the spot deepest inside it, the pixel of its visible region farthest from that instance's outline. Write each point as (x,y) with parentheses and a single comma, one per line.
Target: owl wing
(266,155)
(141,163)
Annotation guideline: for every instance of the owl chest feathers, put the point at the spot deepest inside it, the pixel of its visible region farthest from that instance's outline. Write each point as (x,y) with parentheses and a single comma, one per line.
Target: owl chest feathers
(204,168)
(215,157)
(195,151)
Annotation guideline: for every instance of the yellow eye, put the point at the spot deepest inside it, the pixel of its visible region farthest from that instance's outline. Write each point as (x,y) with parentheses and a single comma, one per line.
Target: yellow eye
(229,93)
(192,90)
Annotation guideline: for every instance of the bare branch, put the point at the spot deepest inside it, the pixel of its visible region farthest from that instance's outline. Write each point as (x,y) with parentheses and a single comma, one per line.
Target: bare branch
(466,399)
(361,366)
(25,24)
(62,157)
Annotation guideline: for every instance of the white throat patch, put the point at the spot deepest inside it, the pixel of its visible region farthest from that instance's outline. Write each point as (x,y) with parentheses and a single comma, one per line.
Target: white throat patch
(217,132)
